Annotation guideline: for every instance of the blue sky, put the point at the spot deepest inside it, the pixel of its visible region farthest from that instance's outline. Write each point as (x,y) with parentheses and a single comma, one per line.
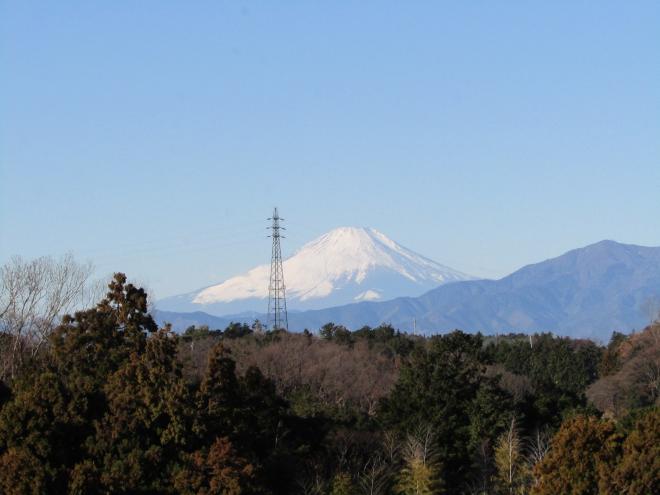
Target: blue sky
(154,137)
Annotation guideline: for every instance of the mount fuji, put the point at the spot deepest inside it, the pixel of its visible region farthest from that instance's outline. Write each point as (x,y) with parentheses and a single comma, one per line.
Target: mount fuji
(345,265)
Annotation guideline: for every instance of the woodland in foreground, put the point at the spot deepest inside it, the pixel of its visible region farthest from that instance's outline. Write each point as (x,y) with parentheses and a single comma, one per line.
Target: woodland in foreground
(106,402)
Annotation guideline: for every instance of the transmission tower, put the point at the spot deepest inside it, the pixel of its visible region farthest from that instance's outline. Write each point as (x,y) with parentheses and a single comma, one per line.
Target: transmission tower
(277,316)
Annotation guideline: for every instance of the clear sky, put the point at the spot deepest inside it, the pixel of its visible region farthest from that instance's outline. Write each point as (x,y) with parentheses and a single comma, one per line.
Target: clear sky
(154,137)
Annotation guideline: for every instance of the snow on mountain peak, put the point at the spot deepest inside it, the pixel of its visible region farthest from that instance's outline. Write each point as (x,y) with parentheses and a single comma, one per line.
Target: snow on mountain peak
(344,265)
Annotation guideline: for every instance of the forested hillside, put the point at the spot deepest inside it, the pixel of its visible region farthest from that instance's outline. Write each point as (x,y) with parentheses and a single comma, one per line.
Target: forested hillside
(109,403)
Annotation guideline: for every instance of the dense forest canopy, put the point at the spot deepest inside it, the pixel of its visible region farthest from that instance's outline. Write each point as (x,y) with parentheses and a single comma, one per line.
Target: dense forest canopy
(106,402)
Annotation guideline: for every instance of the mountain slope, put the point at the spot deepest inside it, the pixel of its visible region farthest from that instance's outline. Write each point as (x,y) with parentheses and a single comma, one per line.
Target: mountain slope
(345,265)
(586,292)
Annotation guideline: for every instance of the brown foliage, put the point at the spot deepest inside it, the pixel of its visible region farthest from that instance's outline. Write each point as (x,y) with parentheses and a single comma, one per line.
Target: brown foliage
(220,471)
(334,373)
(21,473)
(637,382)
(194,356)
(638,473)
(582,458)
(146,423)
(518,386)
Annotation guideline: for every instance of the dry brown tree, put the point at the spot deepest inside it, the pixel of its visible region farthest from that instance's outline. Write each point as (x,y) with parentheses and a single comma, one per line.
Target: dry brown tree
(335,374)
(637,382)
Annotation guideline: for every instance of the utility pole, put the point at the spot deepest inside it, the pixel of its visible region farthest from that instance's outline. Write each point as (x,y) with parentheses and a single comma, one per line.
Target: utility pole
(277,315)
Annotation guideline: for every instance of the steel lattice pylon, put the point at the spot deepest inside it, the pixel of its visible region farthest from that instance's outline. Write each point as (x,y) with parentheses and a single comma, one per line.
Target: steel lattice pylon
(277,315)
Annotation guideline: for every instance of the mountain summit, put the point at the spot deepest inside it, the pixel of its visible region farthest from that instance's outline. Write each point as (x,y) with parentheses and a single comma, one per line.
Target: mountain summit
(586,292)
(347,264)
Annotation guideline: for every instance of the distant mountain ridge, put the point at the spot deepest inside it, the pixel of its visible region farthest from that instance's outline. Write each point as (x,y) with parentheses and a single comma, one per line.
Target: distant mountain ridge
(345,265)
(586,292)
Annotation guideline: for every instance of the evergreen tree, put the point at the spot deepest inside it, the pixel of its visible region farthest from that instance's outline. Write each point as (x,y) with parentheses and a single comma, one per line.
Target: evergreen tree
(44,425)
(51,415)
(638,472)
(559,369)
(218,399)
(219,470)
(22,473)
(582,458)
(488,412)
(138,441)
(444,386)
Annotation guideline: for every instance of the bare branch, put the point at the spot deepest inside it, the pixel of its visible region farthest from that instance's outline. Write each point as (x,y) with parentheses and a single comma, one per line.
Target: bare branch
(33,296)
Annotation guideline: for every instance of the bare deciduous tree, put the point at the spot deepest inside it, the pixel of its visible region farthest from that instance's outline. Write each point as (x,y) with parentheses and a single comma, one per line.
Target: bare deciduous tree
(538,446)
(313,483)
(33,295)
(421,470)
(336,374)
(509,459)
(519,386)
(391,446)
(374,478)
(637,382)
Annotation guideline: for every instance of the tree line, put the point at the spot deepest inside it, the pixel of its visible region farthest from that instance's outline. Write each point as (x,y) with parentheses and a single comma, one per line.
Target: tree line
(107,402)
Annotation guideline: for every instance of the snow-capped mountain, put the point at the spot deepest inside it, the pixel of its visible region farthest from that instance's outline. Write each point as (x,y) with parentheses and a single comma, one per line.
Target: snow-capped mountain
(346,265)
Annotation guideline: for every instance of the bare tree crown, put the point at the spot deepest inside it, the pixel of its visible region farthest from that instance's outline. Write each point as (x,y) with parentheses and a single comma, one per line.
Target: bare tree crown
(33,296)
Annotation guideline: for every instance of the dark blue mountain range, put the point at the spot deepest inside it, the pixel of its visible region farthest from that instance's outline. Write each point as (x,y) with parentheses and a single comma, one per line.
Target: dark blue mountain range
(586,292)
